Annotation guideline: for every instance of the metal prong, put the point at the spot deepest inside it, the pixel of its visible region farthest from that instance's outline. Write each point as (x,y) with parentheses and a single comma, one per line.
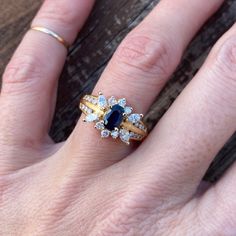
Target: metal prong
(84,120)
(116,129)
(142,115)
(100,93)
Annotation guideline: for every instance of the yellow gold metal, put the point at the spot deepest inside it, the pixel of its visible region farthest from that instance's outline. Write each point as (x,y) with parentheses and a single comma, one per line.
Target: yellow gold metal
(101,113)
(95,108)
(52,34)
(129,126)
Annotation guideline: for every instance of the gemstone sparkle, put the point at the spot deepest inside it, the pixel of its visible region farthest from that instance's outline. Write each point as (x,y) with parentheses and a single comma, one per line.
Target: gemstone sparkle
(134,118)
(125,136)
(128,110)
(105,133)
(112,101)
(100,125)
(115,134)
(91,117)
(122,102)
(102,101)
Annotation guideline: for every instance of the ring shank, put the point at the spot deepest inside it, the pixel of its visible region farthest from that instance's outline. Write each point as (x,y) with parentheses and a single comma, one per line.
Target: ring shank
(52,34)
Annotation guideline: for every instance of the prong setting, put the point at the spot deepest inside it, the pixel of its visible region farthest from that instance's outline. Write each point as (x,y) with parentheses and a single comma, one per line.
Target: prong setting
(112,117)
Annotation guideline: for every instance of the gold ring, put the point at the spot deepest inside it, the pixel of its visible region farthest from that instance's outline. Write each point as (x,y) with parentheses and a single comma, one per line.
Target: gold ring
(113,118)
(52,34)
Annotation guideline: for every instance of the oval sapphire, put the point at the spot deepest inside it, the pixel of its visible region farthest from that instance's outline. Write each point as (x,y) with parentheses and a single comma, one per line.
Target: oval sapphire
(114,117)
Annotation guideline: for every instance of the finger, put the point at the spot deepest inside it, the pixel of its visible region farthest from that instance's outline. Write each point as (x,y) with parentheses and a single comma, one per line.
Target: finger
(29,83)
(198,124)
(143,63)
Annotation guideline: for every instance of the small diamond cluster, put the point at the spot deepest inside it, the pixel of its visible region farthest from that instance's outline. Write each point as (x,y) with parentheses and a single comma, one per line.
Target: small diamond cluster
(140,126)
(136,136)
(107,105)
(85,109)
(91,99)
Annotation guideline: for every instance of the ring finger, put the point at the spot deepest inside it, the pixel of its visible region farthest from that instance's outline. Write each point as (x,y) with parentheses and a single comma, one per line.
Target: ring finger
(142,64)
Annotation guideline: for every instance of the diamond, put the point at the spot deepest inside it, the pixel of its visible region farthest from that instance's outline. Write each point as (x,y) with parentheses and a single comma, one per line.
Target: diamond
(112,101)
(89,110)
(133,118)
(91,117)
(102,102)
(122,102)
(132,135)
(94,101)
(141,127)
(100,125)
(124,136)
(115,134)
(105,133)
(128,110)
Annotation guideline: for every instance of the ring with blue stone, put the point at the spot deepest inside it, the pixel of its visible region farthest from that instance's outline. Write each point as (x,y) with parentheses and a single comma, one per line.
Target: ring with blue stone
(113,118)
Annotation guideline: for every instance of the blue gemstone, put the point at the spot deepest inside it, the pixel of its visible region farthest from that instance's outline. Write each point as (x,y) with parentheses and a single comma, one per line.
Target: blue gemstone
(114,117)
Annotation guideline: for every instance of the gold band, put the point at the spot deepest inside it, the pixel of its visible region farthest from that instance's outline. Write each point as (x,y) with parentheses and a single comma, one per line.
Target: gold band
(89,105)
(52,34)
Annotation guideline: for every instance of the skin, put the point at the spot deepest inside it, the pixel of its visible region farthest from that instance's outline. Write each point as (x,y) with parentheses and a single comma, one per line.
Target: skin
(93,186)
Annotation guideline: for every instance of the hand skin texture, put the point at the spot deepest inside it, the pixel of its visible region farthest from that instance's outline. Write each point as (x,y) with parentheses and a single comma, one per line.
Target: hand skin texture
(101,187)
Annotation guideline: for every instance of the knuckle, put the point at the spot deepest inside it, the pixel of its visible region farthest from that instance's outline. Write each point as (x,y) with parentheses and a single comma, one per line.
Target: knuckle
(145,54)
(225,62)
(21,73)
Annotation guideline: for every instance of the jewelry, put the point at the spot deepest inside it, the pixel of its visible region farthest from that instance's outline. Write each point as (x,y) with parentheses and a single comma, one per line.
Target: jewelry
(52,34)
(113,118)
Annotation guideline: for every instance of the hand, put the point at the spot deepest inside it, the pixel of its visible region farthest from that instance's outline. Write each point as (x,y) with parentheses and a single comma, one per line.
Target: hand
(93,186)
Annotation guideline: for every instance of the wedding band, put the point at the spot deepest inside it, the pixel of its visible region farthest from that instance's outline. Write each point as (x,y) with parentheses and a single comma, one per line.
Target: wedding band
(113,118)
(52,34)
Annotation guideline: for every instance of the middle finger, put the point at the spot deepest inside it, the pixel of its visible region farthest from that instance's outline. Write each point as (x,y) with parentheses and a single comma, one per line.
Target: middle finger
(142,64)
